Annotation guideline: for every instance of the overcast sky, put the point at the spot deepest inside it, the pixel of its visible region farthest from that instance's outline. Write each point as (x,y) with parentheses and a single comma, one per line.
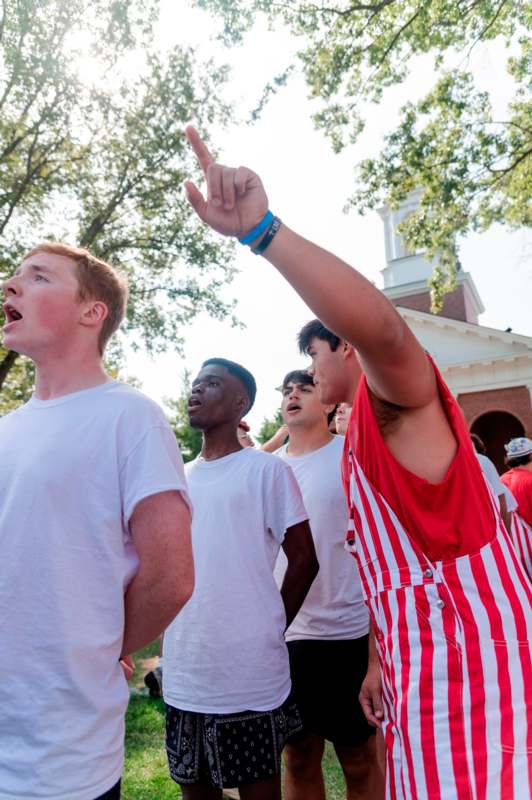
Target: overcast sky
(308,186)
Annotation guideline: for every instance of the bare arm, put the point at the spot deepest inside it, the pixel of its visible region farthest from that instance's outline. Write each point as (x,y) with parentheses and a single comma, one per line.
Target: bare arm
(276,441)
(346,302)
(160,527)
(302,568)
(370,696)
(394,363)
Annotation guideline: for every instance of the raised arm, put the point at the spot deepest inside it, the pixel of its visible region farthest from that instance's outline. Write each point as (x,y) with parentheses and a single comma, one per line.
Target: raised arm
(395,365)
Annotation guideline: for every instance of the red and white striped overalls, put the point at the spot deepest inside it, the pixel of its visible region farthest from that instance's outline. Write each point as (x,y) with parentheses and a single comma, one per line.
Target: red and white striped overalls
(522,539)
(453,640)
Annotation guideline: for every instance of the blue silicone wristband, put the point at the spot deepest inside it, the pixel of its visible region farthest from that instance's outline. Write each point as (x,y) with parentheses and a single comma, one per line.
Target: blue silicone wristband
(258,229)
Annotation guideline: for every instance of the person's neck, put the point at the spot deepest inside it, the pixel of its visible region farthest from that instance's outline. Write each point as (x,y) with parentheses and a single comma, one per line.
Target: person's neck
(58,377)
(305,440)
(219,442)
(528,466)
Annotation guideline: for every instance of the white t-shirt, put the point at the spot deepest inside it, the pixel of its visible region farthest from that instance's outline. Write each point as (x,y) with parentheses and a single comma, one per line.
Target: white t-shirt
(497,486)
(225,652)
(334,607)
(72,471)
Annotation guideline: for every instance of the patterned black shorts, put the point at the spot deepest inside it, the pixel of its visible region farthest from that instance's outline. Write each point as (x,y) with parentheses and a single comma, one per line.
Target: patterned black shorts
(227,750)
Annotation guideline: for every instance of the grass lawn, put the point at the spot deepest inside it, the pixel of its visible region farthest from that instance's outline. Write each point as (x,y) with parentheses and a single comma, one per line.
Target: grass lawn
(146,774)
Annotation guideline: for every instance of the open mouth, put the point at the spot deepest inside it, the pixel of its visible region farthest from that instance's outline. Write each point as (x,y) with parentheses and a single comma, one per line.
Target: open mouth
(12,315)
(193,403)
(293,407)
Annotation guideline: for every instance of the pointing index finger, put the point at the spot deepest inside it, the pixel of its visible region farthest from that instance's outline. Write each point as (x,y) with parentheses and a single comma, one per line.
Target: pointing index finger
(200,148)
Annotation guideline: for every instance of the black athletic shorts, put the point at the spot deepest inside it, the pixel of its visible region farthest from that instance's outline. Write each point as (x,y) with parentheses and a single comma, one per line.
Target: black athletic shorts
(326,679)
(228,750)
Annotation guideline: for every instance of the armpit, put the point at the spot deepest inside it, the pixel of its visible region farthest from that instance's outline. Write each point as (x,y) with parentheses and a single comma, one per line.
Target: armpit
(387,414)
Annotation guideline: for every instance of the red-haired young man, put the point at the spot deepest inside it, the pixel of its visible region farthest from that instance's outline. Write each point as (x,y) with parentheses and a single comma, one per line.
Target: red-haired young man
(95,528)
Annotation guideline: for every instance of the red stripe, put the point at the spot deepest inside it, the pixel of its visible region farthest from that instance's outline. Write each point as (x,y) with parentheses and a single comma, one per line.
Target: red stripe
(524,539)
(390,676)
(394,536)
(426,697)
(398,550)
(404,649)
(456,707)
(476,682)
(507,581)
(361,539)
(375,533)
(390,766)
(517,538)
(521,579)
(505,689)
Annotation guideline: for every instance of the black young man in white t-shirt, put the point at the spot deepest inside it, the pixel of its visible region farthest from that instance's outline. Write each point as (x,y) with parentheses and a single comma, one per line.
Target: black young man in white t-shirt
(328,639)
(226,670)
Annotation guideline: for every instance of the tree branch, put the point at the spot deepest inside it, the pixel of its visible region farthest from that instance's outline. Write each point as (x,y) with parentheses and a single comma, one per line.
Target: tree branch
(486,28)
(6,365)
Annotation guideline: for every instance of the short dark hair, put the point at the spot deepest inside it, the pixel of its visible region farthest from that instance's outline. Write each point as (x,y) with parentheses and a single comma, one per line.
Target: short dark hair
(478,444)
(316,330)
(297,376)
(244,376)
(519,461)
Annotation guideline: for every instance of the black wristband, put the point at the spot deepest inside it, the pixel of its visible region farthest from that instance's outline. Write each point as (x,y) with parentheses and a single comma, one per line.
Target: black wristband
(267,238)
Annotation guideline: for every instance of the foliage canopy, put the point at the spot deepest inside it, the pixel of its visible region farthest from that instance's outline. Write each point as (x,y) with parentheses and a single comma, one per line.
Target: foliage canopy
(269,427)
(92,151)
(474,169)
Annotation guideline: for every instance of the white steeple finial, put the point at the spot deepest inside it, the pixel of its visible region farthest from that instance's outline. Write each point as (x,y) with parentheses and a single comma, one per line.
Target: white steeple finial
(402,266)
(406,274)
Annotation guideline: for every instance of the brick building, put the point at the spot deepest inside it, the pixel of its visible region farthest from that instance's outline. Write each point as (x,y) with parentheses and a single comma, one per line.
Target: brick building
(488,370)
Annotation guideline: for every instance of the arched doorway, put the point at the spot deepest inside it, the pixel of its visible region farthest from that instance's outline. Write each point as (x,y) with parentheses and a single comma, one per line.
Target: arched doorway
(496,428)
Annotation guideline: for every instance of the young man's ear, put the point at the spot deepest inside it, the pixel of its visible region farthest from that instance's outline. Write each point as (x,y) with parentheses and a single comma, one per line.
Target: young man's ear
(346,349)
(94,313)
(242,403)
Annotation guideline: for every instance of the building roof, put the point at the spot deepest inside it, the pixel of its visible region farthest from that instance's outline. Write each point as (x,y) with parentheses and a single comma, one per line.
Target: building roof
(473,357)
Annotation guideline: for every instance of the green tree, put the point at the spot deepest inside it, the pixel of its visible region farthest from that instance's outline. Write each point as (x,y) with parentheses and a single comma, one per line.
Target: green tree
(189,438)
(17,380)
(100,160)
(473,169)
(269,427)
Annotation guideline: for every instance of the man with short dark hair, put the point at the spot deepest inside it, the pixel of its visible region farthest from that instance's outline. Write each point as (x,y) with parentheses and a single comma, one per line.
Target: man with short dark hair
(449,602)
(328,639)
(226,670)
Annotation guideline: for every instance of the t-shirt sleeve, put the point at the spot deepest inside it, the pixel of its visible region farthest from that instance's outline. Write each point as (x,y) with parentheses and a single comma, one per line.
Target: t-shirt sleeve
(492,476)
(511,503)
(283,502)
(153,465)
